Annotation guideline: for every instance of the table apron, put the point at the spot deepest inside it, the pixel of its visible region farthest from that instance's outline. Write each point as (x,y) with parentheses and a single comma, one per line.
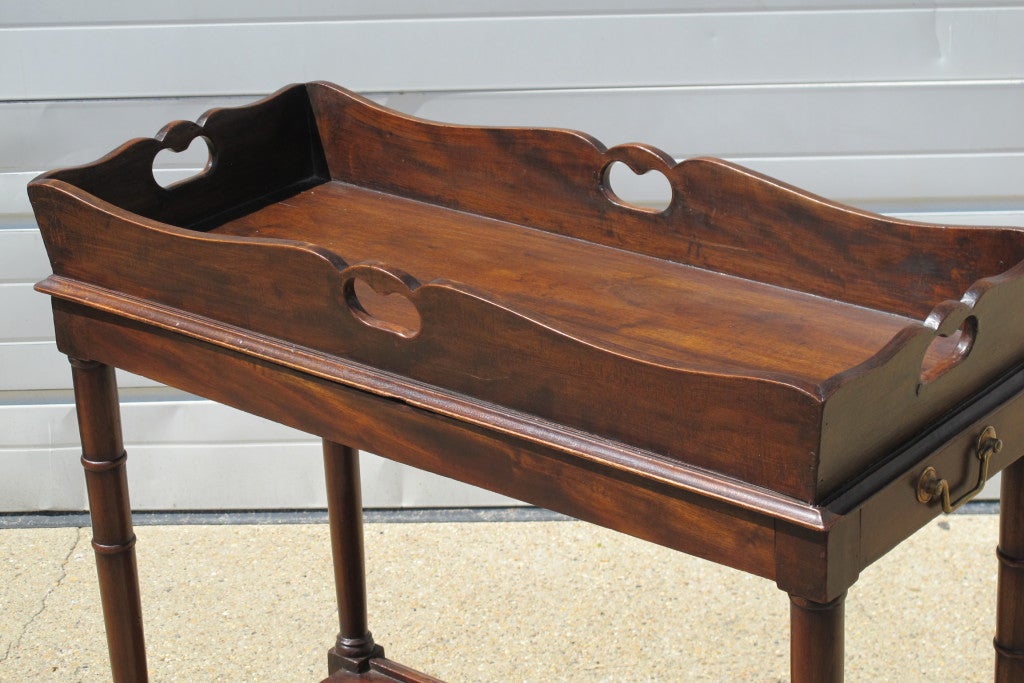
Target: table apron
(643,508)
(816,564)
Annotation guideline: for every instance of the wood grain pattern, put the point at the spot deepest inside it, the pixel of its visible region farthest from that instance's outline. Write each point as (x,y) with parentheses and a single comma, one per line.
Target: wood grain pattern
(714,310)
(562,472)
(813,561)
(724,218)
(622,301)
(113,541)
(259,153)
(816,641)
(753,375)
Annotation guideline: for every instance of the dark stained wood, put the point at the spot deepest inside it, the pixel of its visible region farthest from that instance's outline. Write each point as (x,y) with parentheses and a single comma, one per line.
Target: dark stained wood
(259,154)
(383,670)
(532,465)
(816,640)
(819,565)
(950,449)
(723,217)
(762,379)
(753,375)
(354,646)
(113,540)
(810,558)
(1009,640)
(296,294)
(625,302)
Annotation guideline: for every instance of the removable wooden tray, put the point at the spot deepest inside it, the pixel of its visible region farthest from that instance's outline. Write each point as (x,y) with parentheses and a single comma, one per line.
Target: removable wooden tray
(750,329)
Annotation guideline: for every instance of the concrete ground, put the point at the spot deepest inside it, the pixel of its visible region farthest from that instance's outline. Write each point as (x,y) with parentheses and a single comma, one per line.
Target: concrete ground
(496,601)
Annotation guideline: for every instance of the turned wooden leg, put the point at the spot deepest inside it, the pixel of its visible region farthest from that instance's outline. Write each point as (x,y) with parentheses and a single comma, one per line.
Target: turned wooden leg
(355,647)
(113,540)
(816,641)
(1009,640)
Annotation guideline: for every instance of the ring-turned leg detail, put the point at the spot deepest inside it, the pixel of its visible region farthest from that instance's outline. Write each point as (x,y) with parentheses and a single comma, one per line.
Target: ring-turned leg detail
(103,457)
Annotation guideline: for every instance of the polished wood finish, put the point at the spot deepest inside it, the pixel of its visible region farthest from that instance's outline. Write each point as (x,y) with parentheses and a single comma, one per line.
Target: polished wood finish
(816,640)
(723,218)
(113,540)
(524,458)
(1009,640)
(810,379)
(658,305)
(354,647)
(754,375)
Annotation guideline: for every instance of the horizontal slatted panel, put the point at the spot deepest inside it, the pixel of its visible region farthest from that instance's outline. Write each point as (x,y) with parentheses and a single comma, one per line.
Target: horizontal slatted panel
(181,453)
(74,13)
(513,53)
(22,256)
(280,476)
(684,121)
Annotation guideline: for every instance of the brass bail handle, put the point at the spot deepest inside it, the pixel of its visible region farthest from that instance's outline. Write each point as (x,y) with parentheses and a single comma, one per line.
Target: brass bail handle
(930,485)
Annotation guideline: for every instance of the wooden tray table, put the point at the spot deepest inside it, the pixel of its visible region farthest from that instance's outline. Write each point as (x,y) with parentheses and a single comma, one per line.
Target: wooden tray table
(753,375)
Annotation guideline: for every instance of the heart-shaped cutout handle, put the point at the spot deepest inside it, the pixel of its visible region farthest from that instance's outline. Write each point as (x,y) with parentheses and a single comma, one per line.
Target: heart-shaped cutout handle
(379,297)
(635,177)
(648,191)
(173,167)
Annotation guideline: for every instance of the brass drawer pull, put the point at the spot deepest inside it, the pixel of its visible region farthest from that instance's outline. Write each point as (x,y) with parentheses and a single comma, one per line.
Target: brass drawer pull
(930,485)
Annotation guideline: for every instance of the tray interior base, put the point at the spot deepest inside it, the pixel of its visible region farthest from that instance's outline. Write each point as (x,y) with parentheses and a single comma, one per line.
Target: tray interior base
(664,312)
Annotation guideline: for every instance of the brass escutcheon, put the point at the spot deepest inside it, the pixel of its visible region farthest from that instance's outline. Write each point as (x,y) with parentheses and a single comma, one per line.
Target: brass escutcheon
(929,485)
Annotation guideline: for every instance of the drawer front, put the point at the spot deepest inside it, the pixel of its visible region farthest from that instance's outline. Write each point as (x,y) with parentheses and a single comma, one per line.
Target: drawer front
(894,501)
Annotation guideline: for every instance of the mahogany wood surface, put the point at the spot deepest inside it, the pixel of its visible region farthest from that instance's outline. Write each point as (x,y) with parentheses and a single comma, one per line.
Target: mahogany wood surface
(113,540)
(541,465)
(652,309)
(1009,640)
(816,642)
(723,217)
(383,670)
(354,647)
(754,375)
(779,374)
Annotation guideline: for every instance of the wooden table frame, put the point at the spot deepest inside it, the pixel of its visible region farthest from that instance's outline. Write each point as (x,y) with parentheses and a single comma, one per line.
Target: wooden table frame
(814,554)
(753,374)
